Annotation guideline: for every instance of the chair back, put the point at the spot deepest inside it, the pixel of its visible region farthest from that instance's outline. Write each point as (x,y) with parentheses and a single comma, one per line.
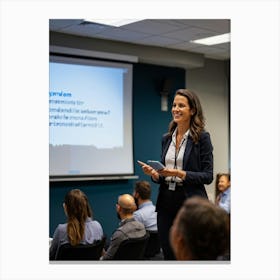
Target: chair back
(82,251)
(153,245)
(132,248)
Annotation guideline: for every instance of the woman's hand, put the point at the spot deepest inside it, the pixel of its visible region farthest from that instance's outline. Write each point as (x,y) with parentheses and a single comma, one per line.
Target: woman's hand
(173,173)
(168,172)
(148,170)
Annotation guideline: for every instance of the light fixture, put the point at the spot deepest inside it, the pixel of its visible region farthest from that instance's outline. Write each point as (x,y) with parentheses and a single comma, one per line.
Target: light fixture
(112,22)
(166,88)
(213,40)
(164,103)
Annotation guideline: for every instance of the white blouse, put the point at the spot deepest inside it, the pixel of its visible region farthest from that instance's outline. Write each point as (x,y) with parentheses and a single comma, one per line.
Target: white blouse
(173,159)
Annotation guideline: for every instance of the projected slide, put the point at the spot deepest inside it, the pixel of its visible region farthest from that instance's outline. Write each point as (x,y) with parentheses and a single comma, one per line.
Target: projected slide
(90,117)
(86,105)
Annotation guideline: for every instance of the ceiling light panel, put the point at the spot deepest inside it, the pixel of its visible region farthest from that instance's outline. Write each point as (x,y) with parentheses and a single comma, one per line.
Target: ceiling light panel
(213,40)
(113,22)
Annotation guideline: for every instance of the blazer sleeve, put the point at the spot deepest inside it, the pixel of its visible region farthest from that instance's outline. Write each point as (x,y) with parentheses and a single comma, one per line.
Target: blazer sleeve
(115,242)
(200,167)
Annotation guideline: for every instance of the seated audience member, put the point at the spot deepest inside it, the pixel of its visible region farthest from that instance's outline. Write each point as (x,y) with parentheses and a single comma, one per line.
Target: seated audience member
(146,210)
(80,228)
(128,227)
(223,191)
(200,231)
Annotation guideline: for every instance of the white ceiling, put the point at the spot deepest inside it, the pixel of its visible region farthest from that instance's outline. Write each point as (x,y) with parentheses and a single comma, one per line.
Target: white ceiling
(167,33)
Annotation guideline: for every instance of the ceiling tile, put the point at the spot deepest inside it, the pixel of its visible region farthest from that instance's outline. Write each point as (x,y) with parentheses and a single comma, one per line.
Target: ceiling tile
(158,41)
(178,23)
(154,27)
(190,34)
(85,29)
(217,25)
(121,34)
(58,24)
(183,46)
(225,46)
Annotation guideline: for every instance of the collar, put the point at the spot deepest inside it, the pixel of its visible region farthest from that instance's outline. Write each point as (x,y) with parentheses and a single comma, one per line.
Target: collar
(175,133)
(88,219)
(124,221)
(227,191)
(144,204)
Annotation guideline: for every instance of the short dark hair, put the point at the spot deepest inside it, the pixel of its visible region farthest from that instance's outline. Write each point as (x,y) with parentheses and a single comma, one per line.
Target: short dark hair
(205,228)
(143,188)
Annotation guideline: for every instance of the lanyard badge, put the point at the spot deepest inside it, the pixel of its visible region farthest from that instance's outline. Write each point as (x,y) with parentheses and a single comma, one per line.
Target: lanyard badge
(172,186)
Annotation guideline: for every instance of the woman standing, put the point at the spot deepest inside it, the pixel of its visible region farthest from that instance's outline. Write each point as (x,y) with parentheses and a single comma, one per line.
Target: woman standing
(80,228)
(188,159)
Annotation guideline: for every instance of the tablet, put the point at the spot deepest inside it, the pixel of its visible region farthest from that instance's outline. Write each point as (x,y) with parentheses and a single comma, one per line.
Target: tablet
(157,165)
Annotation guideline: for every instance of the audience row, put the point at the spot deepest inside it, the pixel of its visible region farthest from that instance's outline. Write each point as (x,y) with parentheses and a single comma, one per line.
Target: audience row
(200,231)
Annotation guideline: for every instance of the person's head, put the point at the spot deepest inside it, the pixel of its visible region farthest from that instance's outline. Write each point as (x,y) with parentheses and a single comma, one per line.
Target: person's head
(222,182)
(77,209)
(187,110)
(142,192)
(200,231)
(125,206)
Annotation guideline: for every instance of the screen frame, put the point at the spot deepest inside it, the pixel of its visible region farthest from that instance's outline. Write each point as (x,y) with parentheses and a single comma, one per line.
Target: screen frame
(85,60)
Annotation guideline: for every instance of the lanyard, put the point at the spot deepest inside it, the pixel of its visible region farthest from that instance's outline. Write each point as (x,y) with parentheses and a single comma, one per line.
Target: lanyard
(177,153)
(176,156)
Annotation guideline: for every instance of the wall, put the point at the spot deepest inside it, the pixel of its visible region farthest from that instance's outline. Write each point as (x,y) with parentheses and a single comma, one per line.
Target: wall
(149,123)
(212,85)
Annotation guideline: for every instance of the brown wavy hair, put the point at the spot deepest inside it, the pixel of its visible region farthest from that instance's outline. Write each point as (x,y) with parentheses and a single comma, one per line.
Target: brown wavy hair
(78,209)
(197,122)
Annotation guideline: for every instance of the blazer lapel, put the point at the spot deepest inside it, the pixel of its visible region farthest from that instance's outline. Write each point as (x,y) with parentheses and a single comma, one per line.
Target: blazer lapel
(187,150)
(165,148)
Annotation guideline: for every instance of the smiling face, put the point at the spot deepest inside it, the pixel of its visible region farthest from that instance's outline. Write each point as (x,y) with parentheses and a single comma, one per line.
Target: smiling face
(181,110)
(223,183)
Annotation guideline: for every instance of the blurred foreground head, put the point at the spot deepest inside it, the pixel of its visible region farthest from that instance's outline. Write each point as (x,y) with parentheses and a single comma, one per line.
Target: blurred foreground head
(201,231)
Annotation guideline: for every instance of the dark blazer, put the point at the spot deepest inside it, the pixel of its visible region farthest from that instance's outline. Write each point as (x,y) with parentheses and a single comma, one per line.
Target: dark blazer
(197,162)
